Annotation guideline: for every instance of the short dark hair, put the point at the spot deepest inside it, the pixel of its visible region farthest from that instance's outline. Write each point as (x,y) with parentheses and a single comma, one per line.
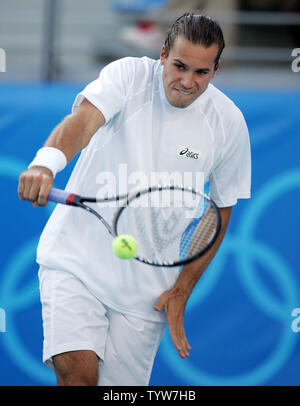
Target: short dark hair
(198,29)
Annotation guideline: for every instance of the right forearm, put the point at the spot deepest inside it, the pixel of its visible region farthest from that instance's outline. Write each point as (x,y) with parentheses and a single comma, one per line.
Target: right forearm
(61,146)
(66,140)
(76,130)
(68,137)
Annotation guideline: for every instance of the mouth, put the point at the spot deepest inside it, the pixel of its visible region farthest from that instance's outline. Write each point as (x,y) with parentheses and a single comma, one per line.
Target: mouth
(184,92)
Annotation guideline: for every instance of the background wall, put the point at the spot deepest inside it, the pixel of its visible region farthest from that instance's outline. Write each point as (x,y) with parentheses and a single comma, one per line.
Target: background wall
(239,318)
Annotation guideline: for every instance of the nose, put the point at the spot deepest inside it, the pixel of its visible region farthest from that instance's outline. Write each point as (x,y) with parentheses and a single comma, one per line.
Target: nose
(187,81)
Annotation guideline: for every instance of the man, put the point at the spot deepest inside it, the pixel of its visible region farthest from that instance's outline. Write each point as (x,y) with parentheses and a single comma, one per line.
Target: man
(104,318)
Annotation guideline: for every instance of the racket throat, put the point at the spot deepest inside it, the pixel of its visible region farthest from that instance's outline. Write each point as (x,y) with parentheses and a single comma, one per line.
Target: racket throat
(73,200)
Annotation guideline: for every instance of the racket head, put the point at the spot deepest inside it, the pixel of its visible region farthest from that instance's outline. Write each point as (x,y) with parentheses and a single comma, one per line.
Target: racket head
(173,225)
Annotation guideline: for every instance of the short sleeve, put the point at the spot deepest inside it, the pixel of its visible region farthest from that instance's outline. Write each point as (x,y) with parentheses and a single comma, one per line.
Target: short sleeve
(110,91)
(230,179)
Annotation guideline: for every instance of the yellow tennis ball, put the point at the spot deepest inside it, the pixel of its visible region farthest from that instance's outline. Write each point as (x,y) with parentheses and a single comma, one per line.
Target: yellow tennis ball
(125,246)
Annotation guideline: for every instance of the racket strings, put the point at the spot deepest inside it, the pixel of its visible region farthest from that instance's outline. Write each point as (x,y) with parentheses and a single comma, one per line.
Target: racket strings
(155,232)
(203,232)
(171,233)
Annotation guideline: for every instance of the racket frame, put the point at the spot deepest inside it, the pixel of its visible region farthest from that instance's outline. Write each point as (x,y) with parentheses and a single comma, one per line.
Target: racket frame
(79,201)
(131,197)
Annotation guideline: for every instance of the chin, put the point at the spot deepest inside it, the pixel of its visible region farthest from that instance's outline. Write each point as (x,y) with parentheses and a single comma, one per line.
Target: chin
(180,103)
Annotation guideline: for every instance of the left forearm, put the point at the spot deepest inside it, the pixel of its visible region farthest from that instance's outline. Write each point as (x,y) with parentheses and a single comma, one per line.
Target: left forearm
(173,301)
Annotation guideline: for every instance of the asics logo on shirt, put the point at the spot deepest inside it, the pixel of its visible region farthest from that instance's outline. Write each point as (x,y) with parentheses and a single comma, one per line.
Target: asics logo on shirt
(188,153)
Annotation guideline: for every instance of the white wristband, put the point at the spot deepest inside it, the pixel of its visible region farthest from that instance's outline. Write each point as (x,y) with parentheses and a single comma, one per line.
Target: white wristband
(51,158)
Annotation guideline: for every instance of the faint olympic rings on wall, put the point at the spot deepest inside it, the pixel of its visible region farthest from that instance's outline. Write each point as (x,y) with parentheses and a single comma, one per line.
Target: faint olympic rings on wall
(246,249)
(249,250)
(14,301)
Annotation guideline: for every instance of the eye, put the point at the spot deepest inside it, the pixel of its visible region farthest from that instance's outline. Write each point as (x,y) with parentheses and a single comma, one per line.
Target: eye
(202,72)
(179,67)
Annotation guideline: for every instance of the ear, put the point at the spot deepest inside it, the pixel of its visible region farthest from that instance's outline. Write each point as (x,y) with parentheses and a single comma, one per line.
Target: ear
(163,55)
(216,70)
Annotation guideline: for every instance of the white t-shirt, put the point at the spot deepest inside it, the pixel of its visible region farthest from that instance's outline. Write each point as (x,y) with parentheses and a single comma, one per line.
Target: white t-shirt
(143,135)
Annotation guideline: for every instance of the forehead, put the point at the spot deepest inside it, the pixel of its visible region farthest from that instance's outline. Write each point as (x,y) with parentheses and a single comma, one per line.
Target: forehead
(193,55)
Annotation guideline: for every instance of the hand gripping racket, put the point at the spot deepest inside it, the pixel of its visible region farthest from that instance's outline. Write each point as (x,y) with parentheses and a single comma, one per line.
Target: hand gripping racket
(172,225)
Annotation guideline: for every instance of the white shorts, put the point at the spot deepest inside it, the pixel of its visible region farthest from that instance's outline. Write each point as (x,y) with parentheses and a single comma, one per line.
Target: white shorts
(74,319)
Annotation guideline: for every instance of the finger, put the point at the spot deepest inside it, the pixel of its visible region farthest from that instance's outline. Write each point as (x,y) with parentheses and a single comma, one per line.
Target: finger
(27,186)
(177,340)
(159,306)
(186,348)
(183,350)
(161,302)
(180,341)
(21,186)
(35,188)
(44,191)
(185,340)
(188,345)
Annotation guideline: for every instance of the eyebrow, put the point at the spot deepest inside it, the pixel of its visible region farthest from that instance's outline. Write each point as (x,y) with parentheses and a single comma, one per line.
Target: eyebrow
(197,70)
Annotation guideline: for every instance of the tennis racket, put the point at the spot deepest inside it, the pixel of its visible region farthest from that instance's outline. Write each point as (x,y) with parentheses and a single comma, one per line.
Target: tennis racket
(172,225)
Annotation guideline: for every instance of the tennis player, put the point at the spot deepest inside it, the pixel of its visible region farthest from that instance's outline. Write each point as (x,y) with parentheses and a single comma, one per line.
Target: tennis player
(104,318)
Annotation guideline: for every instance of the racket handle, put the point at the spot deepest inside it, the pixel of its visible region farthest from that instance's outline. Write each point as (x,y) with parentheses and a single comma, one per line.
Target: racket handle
(61,196)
